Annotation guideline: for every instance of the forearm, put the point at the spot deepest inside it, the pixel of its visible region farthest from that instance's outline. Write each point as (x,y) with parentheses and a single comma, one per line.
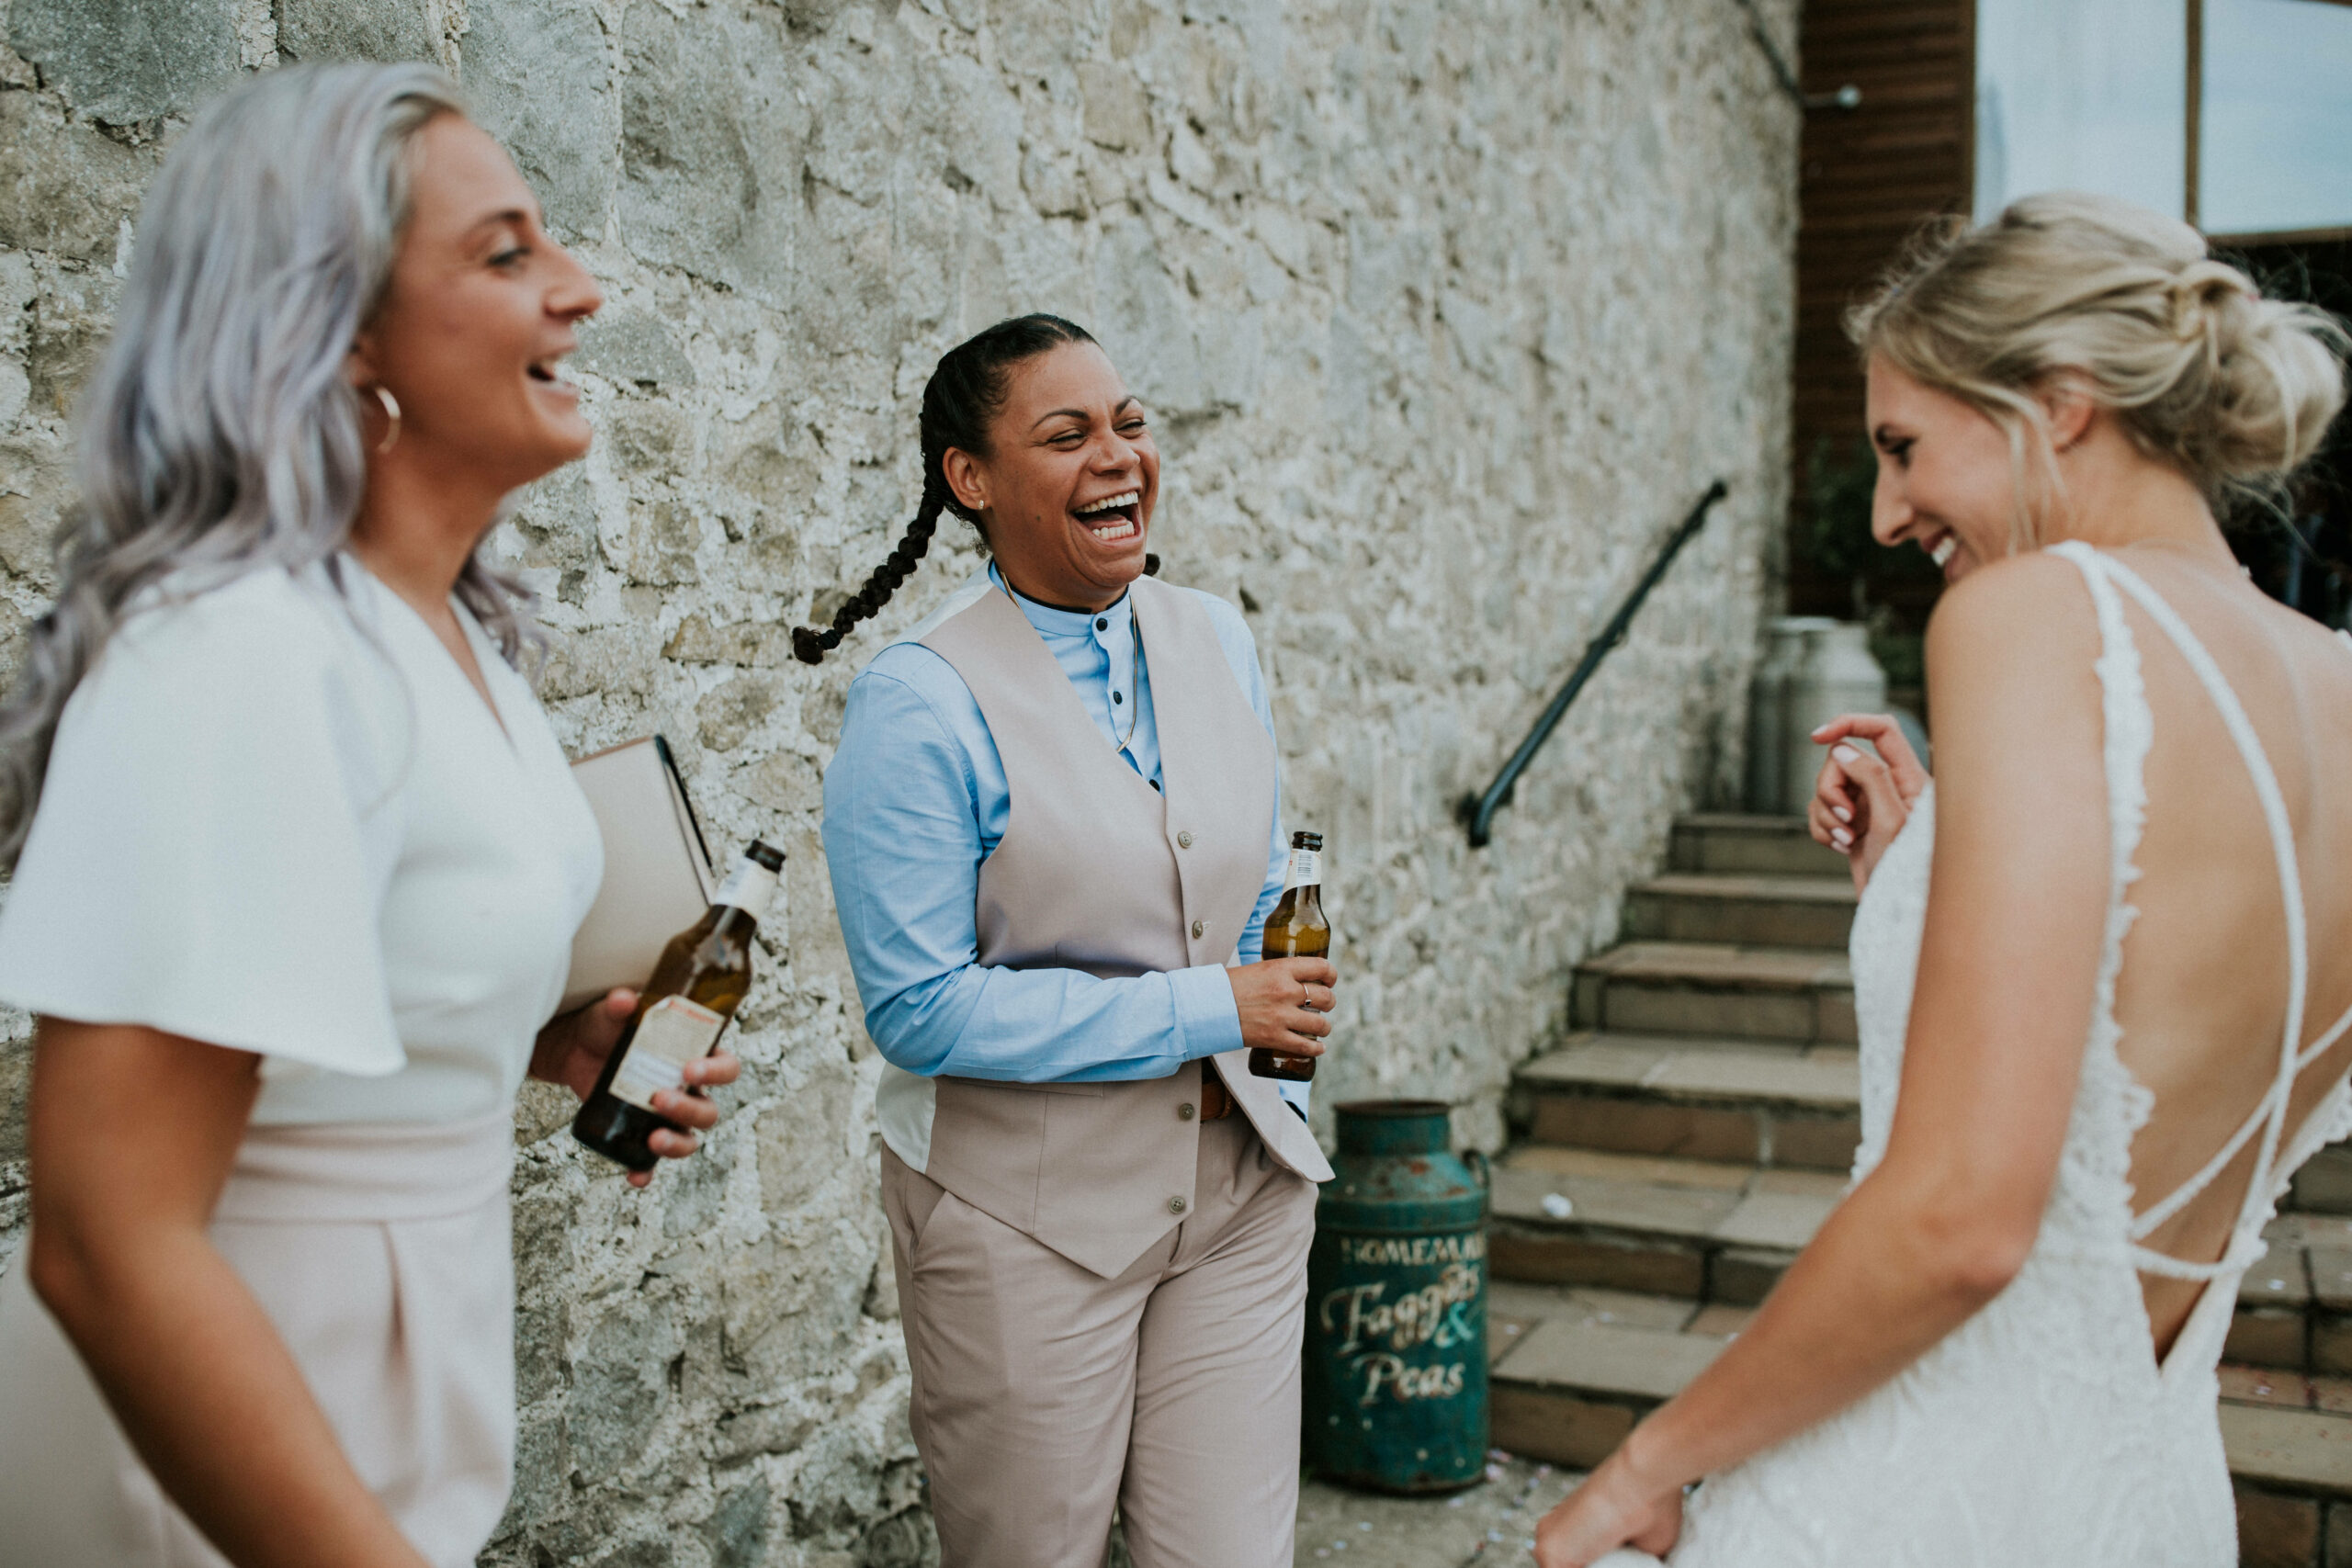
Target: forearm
(1057,1025)
(208,1393)
(1881,1283)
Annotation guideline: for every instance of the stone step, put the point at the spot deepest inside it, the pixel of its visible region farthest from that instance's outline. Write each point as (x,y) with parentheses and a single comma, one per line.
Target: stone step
(1706,1230)
(1573,1371)
(1729,1100)
(1719,990)
(1771,846)
(1788,911)
(1717,1233)
(2325,1184)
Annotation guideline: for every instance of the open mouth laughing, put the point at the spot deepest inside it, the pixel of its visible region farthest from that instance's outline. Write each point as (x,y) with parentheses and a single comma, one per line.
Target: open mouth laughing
(549,374)
(1113,519)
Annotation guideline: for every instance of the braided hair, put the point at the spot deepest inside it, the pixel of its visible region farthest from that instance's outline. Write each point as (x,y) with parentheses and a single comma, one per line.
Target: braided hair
(965,393)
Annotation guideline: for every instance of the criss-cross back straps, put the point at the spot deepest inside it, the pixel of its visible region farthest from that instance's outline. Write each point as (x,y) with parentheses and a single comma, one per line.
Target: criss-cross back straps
(2269,1116)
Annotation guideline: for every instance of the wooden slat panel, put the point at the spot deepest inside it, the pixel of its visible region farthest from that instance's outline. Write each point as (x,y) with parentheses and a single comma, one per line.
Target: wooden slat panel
(1868,179)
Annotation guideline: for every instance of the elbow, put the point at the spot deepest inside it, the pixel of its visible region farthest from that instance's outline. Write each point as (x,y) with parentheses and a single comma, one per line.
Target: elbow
(1985,1269)
(1973,1254)
(63,1275)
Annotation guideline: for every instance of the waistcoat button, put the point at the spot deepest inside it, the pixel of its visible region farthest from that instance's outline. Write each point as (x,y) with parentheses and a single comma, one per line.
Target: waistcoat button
(1200,928)
(1175,1205)
(1184,841)
(1184,1113)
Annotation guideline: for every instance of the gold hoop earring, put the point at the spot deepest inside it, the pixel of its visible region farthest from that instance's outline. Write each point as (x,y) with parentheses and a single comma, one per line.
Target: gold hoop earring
(391,413)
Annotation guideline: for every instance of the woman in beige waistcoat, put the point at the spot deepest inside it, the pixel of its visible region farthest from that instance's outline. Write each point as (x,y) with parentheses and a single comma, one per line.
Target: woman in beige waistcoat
(1054,829)
(297,861)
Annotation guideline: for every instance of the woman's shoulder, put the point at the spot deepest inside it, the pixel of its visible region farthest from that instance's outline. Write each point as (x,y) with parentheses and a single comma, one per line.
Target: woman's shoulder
(1232,630)
(265,620)
(2020,611)
(267,648)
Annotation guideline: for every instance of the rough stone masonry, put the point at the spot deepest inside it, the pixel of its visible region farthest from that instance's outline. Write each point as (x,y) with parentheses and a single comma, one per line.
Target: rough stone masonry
(1446,310)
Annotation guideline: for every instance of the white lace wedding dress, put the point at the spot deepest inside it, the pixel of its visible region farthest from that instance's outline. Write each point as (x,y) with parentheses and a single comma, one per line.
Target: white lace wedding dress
(2043,1431)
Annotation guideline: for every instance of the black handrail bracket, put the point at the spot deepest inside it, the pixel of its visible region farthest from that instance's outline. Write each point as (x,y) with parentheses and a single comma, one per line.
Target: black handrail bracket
(1478,812)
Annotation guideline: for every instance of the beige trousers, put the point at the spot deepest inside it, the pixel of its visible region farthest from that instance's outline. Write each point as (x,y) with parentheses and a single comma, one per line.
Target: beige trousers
(1044,1393)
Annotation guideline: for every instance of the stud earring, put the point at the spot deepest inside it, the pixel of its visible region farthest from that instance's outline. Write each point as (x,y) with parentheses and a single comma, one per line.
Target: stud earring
(391,413)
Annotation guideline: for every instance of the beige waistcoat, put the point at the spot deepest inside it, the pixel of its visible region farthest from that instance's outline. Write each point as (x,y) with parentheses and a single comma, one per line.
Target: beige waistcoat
(1099,872)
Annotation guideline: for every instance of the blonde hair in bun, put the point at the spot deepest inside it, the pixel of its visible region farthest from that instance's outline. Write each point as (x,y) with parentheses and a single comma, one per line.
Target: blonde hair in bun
(2203,371)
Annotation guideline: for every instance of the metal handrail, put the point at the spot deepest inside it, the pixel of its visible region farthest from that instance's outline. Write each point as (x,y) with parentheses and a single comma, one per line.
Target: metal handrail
(1478,812)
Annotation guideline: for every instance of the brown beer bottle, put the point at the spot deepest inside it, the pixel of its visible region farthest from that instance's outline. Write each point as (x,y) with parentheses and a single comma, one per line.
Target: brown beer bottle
(696,989)
(1295,930)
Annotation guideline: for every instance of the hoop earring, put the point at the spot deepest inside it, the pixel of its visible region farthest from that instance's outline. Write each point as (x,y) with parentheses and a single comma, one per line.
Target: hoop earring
(393,413)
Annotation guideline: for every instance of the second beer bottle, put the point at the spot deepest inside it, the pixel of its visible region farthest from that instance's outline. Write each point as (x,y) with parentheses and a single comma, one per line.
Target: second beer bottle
(1295,930)
(696,989)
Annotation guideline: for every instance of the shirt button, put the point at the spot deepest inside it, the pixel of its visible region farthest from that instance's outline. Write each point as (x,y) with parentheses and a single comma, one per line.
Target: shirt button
(1175,1205)
(1100,625)
(1184,1112)
(1117,698)
(1200,928)
(1184,841)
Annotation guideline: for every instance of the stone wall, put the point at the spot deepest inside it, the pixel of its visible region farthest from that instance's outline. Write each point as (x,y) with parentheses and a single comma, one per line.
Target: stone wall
(1446,311)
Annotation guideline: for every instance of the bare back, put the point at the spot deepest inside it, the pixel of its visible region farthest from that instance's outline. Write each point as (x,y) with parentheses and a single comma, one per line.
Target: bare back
(2208,980)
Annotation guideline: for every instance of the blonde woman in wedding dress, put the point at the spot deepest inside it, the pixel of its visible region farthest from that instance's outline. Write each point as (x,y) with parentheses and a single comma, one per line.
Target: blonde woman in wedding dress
(2102,962)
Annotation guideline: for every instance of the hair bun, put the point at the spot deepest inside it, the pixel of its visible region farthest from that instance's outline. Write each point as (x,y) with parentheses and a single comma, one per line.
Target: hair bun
(2202,291)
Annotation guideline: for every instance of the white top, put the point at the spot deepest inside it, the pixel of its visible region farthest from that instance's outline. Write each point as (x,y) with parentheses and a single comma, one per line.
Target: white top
(282,820)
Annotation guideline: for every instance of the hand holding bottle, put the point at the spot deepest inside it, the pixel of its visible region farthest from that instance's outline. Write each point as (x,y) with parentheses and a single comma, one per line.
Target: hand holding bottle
(1284,1004)
(1297,933)
(573,1049)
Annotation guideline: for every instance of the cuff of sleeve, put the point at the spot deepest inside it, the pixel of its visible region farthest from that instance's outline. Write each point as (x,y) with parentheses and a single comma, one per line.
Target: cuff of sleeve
(1207,1020)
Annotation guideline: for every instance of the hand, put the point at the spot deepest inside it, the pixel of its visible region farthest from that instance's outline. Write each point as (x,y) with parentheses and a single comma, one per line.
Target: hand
(1612,1508)
(1860,802)
(1283,1002)
(571,1051)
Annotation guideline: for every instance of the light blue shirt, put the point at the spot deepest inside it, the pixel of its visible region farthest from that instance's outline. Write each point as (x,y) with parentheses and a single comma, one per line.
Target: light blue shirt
(916,798)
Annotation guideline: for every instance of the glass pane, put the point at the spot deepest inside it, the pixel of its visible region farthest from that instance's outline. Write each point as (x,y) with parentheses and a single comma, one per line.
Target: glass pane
(2275,131)
(2081,94)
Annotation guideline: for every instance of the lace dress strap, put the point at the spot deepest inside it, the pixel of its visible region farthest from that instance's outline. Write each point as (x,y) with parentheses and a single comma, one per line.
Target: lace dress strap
(2129,731)
(2269,1116)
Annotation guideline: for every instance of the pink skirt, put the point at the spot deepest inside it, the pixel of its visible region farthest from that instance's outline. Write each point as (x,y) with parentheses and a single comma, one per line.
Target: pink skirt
(383,1255)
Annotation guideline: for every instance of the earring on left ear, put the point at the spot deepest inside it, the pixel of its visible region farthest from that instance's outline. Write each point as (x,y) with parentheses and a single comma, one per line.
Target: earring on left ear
(391,413)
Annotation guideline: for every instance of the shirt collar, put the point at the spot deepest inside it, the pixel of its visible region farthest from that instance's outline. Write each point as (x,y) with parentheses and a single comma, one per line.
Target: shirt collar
(1051,621)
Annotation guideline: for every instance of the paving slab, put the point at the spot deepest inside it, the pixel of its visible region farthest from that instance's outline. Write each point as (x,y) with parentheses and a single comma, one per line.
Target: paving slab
(1491,1525)
(1782,888)
(1644,1207)
(1645,1363)
(1535,1304)
(2295,1451)
(1601,1164)
(1781,1219)
(1724,963)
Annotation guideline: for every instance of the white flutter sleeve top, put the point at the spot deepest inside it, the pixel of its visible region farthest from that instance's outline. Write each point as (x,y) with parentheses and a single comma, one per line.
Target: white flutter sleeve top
(277,817)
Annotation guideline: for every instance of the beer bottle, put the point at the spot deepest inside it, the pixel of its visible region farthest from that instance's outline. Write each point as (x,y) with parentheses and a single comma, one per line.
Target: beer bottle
(1295,930)
(696,989)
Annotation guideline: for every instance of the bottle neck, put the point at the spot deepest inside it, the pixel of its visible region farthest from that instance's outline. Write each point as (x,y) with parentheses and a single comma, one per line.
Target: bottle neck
(1304,870)
(749,889)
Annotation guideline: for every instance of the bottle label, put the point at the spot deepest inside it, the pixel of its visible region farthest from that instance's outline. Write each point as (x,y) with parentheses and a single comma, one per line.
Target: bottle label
(1306,870)
(673,1031)
(749,886)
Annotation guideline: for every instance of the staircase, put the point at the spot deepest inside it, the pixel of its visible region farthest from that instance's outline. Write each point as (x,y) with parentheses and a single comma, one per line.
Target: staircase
(1679,1150)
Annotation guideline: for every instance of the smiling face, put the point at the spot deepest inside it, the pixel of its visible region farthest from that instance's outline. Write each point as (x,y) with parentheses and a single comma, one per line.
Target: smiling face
(1945,481)
(1067,485)
(480,306)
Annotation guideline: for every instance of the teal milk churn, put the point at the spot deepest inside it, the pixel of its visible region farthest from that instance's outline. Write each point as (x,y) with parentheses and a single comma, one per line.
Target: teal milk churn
(1396,1374)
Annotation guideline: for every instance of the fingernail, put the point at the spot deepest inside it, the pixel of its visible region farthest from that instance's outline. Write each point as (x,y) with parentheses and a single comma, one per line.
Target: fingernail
(1846,754)
(1840,813)
(1842,838)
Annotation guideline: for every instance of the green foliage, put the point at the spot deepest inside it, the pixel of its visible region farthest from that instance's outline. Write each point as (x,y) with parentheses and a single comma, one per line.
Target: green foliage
(1834,536)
